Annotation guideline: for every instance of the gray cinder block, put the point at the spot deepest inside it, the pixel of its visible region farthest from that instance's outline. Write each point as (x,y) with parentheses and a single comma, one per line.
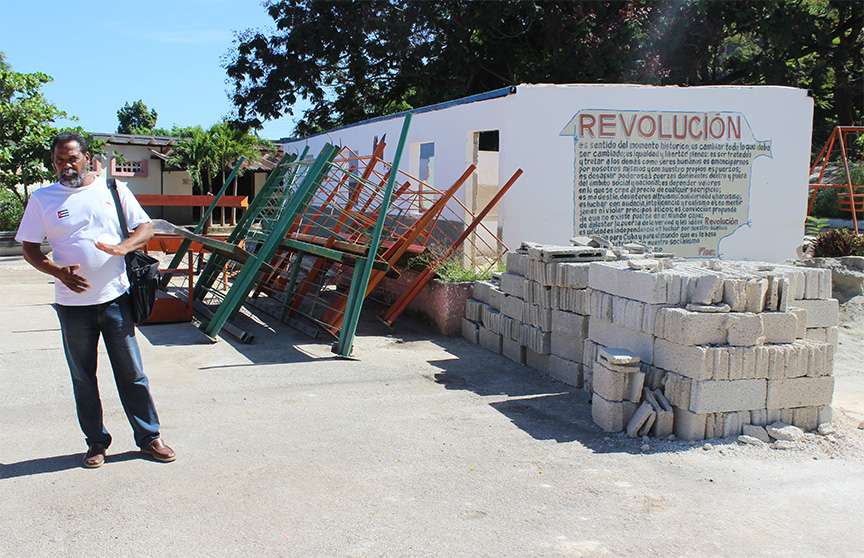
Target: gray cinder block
(723,396)
(513,285)
(470,330)
(616,278)
(564,346)
(642,420)
(611,416)
(686,360)
(611,335)
(614,385)
(569,324)
(537,361)
(745,330)
(566,371)
(780,327)
(513,350)
(665,418)
(490,340)
(689,425)
(800,392)
(517,263)
(820,312)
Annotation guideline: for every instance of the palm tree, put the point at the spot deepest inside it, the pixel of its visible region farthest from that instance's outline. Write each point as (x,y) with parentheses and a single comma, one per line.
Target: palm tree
(196,154)
(229,144)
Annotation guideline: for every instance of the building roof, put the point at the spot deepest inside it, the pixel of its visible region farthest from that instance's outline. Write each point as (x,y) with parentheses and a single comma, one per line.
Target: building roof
(135,139)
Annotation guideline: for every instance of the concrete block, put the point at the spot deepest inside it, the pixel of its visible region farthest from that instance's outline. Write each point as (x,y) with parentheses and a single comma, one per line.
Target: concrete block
(735,294)
(796,360)
(826,414)
(736,362)
(490,340)
(474,310)
(642,420)
(820,312)
(513,285)
(707,287)
(678,389)
(685,360)
(517,263)
(616,278)
(496,297)
(801,315)
(689,425)
(569,324)
(757,432)
(615,358)
(756,289)
(800,392)
(482,291)
(589,354)
(723,396)
(513,350)
(611,335)
(538,316)
(780,327)
(602,305)
(780,415)
(571,348)
(806,418)
(732,423)
(655,378)
(721,359)
(535,339)
(762,361)
(748,363)
(611,416)
(759,416)
(574,275)
(785,295)
(537,361)
(613,385)
(693,328)
(665,418)
(777,361)
(566,371)
(745,330)
(471,330)
(514,307)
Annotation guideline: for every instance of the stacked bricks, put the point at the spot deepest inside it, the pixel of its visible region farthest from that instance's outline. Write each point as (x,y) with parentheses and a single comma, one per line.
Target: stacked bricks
(728,343)
(720,344)
(535,313)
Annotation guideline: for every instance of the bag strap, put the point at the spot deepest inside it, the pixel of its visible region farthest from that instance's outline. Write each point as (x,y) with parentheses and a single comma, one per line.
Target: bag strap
(112,185)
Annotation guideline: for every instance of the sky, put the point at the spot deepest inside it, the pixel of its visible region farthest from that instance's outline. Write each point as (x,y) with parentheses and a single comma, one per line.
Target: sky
(103,54)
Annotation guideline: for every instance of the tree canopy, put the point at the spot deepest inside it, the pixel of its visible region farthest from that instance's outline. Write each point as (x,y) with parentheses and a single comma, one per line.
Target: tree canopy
(136,119)
(26,131)
(357,59)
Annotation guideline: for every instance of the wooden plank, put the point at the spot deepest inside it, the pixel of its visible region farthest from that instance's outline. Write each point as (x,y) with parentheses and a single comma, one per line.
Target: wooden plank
(165,200)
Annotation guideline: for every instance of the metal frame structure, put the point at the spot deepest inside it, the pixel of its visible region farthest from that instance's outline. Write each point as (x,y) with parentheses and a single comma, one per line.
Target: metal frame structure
(850,200)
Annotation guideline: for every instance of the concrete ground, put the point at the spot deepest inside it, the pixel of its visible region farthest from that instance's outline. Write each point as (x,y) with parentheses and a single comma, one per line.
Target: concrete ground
(423,446)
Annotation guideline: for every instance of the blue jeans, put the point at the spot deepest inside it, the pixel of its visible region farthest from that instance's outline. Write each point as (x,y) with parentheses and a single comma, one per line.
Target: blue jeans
(81,327)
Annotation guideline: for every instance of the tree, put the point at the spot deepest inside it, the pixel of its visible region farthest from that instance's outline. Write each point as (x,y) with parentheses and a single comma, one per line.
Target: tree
(26,132)
(195,154)
(811,44)
(358,59)
(136,119)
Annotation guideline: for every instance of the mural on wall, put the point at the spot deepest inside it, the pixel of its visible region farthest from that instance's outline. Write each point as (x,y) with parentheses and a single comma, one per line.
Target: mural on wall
(676,181)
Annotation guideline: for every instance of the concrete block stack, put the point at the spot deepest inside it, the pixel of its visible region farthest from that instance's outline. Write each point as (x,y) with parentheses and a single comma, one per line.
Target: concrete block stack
(729,343)
(535,313)
(718,345)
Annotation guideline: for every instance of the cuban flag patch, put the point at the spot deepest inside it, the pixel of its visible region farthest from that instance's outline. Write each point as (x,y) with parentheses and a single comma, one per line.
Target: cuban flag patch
(62,213)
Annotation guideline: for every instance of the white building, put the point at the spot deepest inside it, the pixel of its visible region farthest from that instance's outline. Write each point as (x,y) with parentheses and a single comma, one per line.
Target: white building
(701,171)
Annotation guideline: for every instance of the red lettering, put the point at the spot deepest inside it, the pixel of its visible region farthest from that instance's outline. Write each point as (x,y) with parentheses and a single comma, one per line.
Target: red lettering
(627,131)
(675,127)
(719,134)
(586,124)
(607,125)
(651,130)
(660,133)
(734,130)
(698,134)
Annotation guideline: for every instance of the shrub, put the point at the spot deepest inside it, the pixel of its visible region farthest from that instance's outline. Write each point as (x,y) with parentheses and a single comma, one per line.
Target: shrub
(452,271)
(11,211)
(835,243)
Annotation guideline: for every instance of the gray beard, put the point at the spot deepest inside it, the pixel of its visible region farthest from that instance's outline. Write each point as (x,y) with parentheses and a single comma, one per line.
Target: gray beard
(72,181)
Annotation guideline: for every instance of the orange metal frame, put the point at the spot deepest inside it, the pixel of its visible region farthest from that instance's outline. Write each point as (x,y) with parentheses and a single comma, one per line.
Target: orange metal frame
(849,200)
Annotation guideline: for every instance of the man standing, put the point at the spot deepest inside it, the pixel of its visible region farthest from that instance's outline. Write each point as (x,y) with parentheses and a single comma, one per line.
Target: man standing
(78,216)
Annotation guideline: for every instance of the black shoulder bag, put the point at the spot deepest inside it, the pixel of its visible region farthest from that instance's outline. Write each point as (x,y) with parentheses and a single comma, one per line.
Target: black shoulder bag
(141,269)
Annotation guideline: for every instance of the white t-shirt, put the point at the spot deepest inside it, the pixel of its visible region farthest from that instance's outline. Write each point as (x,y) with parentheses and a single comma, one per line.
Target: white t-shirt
(73,219)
